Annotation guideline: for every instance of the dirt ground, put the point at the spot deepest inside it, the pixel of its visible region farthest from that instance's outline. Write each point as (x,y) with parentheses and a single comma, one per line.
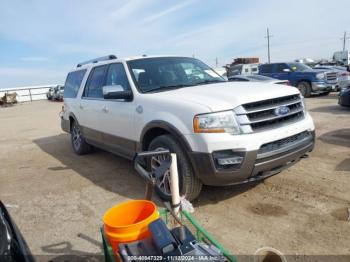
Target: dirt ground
(58,199)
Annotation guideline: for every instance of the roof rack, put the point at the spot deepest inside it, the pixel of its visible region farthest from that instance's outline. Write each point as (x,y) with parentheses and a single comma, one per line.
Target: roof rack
(96,60)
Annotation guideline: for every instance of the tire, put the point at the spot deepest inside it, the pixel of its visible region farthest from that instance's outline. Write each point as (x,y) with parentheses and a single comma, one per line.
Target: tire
(190,185)
(79,145)
(305,88)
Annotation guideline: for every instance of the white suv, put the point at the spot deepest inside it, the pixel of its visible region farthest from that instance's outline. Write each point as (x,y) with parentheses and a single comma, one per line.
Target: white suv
(223,133)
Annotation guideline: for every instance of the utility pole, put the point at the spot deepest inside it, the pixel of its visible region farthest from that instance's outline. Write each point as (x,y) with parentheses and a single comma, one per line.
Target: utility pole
(216,62)
(344,38)
(268,44)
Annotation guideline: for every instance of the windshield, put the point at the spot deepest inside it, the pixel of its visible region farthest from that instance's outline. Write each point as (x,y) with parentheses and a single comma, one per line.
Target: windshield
(165,73)
(299,67)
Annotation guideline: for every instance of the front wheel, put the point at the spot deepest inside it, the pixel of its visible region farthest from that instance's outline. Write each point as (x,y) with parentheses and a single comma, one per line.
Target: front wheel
(304,88)
(190,185)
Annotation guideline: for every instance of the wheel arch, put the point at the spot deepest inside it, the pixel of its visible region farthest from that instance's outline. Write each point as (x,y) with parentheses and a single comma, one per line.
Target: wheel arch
(157,128)
(72,118)
(303,80)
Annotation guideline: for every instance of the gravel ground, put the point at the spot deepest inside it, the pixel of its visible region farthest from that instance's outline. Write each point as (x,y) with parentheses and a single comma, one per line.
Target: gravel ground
(58,199)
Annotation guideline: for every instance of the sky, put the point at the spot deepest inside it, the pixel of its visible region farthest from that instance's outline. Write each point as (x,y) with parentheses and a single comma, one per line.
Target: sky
(40,41)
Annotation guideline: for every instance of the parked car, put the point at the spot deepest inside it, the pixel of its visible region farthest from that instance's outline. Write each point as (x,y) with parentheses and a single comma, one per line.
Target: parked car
(258,78)
(306,79)
(342,74)
(344,96)
(243,69)
(50,93)
(58,93)
(221,134)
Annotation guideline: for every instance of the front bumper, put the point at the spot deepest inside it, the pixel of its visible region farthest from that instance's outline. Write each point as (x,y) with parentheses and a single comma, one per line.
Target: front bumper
(319,87)
(254,167)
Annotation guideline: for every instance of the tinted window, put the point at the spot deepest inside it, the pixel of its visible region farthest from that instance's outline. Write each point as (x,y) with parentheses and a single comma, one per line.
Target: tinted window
(267,68)
(95,82)
(235,70)
(116,76)
(299,67)
(73,83)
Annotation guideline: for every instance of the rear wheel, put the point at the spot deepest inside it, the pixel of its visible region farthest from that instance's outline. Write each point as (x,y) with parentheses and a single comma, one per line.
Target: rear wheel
(305,88)
(80,146)
(190,185)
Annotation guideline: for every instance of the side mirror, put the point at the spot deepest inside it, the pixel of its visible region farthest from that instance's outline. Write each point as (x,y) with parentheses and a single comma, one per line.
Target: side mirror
(286,70)
(116,92)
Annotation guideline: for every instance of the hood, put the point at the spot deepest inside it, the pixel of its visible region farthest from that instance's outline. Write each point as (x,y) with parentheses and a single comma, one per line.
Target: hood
(228,95)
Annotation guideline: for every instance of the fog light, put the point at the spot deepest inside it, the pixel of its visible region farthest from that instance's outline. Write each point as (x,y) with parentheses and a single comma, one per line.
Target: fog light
(230,161)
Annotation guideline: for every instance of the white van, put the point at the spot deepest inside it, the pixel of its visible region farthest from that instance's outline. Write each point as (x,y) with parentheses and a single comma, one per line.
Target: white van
(243,69)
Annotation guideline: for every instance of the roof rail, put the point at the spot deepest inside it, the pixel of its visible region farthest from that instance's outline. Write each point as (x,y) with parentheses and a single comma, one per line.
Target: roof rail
(96,60)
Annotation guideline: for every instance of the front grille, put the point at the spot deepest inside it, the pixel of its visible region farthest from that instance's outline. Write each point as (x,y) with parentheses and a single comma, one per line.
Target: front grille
(284,144)
(262,115)
(331,76)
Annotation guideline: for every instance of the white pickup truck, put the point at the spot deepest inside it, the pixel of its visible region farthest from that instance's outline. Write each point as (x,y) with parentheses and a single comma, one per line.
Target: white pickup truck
(223,133)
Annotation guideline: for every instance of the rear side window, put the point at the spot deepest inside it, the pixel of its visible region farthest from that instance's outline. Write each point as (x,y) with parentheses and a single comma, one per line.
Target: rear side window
(96,81)
(73,82)
(267,68)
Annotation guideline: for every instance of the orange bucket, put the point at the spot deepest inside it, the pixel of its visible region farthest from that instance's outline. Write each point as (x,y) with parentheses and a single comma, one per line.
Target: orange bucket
(129,221)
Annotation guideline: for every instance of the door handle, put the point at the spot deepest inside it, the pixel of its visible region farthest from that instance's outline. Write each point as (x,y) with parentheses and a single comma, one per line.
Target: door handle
(105,109)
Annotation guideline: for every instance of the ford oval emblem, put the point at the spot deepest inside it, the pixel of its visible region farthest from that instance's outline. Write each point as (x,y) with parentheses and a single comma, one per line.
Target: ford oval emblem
(282,111)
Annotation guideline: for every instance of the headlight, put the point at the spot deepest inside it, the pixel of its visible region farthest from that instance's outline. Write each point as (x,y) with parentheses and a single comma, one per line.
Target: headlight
(221,122)
(320,76)
(303,102)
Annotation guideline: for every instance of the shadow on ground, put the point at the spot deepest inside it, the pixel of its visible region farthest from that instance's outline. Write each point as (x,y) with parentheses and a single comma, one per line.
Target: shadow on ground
(333,109)
(213,195)
(332,96)
(66,247)
(340,137)
(116,174)
(105,170)
(344,165)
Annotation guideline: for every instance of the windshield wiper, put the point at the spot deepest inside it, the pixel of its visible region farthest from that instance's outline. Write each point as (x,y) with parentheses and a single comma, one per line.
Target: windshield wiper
(165,88)
(209,82)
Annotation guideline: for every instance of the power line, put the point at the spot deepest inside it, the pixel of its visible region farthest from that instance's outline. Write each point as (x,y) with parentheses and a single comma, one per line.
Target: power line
(344,38)
(268,44)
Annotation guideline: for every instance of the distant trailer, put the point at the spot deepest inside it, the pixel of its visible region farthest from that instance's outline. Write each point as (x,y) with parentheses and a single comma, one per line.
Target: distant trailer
(28,93)
(342,57)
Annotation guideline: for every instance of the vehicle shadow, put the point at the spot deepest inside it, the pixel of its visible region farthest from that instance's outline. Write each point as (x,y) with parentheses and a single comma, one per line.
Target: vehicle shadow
(117,174)
(344,165)
(110,172)
(333,109)
(330,96)
(64,251)
(213,195)
(340,137)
